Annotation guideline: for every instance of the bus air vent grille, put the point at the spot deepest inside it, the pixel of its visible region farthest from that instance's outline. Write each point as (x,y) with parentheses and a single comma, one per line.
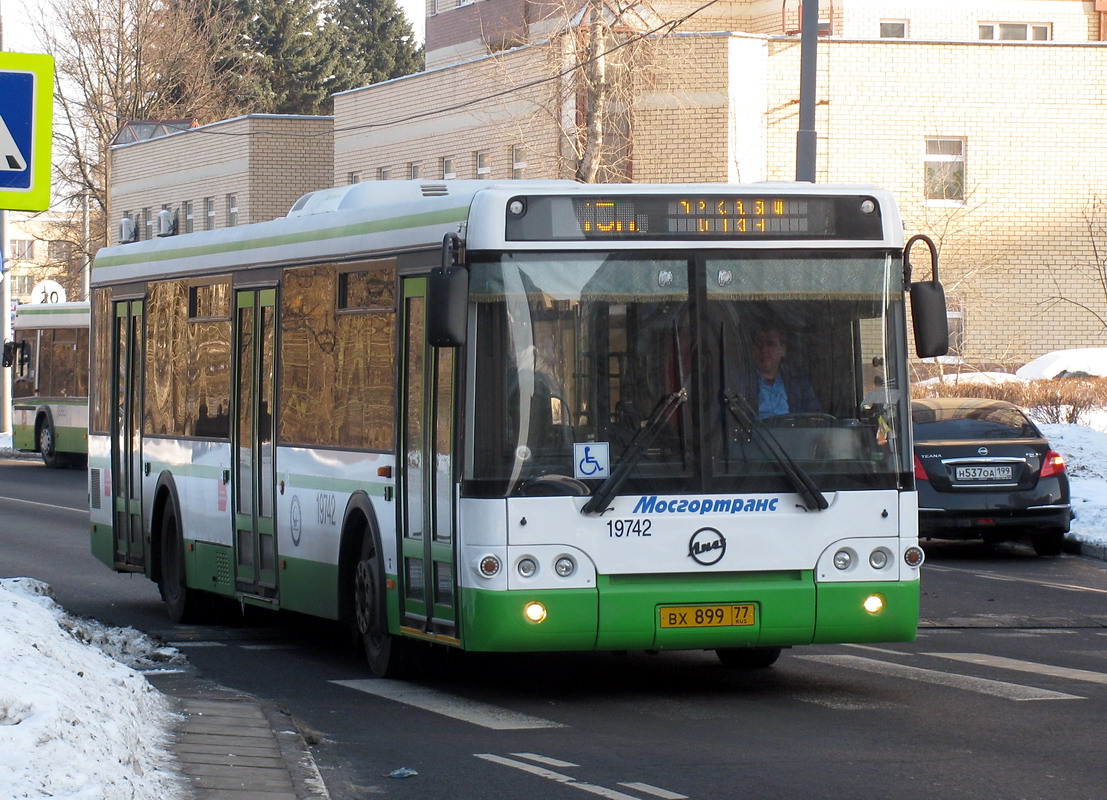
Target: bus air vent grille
(435,190)
(94,488)
(223,569)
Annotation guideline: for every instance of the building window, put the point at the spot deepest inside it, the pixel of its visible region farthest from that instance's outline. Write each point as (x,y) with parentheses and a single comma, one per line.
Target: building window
(209,213)
(353,177)
(944,167)
(189,216)
(384,174)
(59,251)
(23,285)
(415,170)
(147,224)
(22,249)
(232,210)
(482,162)
(955,319)
(893,29)
(518,162)
(448,172)
(1015,31)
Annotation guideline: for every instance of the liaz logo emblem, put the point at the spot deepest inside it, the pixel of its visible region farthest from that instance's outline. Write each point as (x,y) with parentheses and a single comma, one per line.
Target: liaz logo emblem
(707,546)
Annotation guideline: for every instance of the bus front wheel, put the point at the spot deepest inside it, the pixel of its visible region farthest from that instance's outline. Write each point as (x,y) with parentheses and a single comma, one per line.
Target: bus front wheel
(46,445)
(387,654)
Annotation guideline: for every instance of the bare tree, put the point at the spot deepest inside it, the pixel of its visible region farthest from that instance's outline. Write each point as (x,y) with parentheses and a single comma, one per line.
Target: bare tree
(124,60)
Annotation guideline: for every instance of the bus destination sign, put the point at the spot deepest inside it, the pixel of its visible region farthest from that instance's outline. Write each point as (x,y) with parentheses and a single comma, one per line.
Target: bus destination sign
(684,217)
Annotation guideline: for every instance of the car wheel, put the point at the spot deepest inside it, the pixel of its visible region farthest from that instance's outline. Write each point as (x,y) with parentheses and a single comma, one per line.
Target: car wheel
(748,657)
(1048,543)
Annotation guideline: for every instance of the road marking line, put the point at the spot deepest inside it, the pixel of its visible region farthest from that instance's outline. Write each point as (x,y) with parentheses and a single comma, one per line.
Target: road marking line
(1025,666)
(1009,691)
(549,762)
(549,774)
(474,711)
(45,505)
(1015,579)
(656,792)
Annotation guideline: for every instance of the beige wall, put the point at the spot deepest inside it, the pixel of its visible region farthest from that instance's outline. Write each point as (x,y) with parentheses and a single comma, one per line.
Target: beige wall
(266,161)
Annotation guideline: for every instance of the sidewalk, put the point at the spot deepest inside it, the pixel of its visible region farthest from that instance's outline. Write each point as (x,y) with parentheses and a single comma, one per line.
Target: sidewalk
(229,746)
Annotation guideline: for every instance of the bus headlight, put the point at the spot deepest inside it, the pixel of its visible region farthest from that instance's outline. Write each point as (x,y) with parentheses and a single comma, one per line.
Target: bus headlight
(878,559)
(842,559)
(534,611)
(527,567)
(565,566)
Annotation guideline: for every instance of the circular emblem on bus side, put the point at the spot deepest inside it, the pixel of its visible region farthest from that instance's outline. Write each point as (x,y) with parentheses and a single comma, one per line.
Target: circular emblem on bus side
(296,520)
(707,546)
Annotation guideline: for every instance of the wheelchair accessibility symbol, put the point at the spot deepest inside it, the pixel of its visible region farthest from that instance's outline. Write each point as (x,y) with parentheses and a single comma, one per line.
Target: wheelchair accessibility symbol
(590,459)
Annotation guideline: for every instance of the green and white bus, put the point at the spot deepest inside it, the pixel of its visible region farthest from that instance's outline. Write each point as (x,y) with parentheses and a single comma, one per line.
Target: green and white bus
(518,417)
(49,360)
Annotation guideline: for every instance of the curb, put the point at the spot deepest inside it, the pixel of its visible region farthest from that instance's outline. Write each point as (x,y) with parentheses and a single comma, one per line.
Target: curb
(230,746)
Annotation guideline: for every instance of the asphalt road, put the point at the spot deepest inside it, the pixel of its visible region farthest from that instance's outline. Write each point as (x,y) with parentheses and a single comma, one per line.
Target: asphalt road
(1003,695)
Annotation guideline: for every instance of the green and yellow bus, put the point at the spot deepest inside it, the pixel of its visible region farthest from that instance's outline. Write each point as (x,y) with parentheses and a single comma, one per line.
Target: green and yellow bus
(520,416)
(50,368)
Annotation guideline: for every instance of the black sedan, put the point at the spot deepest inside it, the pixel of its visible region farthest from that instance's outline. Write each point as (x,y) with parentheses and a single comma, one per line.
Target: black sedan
(983,470)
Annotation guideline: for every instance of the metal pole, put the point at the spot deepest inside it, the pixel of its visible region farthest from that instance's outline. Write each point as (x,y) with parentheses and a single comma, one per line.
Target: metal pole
(805,136)
(85,260)
(6,327)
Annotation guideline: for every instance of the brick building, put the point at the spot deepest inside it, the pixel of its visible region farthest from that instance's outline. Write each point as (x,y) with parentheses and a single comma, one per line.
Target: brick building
(242,170)
(986,119)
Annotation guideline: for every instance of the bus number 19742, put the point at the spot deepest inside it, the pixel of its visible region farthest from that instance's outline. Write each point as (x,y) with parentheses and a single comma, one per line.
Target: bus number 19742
(618,528)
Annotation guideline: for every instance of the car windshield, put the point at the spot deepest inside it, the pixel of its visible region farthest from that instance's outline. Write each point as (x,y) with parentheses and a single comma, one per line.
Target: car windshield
(652,359)
(979,420)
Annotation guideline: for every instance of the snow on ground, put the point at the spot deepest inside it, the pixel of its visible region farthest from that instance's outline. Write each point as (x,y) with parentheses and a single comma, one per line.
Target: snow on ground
(76,723)
(1086,360)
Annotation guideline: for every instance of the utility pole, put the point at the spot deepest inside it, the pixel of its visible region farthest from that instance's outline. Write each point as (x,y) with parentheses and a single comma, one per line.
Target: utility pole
(805,136)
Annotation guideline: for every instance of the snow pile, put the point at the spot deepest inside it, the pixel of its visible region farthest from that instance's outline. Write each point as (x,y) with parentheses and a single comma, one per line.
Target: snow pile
(75,723)
(1082,361)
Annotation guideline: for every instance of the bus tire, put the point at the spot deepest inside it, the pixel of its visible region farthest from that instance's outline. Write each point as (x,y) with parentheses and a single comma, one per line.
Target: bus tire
(748,657)
(181,603)
(47,441)
(388,655)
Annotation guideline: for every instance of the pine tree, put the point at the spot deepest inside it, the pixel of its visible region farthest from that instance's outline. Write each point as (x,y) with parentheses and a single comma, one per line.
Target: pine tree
(373,41)
(292,54)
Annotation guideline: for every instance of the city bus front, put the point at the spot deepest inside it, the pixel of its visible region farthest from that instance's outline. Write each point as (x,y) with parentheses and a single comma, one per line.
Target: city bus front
(684,423)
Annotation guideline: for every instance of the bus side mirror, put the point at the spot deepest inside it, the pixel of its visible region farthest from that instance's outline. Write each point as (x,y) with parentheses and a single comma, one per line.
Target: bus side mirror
(448,297)
(928,305)
(18,355)
(9,353)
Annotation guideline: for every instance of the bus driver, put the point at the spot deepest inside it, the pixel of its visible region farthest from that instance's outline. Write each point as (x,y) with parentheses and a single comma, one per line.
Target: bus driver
(779,390)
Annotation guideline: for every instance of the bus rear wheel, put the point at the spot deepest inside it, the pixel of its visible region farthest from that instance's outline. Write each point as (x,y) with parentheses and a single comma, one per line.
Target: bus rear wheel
(388,655)
(748,657)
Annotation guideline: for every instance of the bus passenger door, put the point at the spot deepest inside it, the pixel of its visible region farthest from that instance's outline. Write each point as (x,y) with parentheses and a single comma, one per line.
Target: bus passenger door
(126,436)
(255,541)
(426,503)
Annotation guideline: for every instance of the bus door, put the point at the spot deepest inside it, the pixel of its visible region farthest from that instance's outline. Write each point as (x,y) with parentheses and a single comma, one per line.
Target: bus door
(255,541)
(126,435)
(426,508)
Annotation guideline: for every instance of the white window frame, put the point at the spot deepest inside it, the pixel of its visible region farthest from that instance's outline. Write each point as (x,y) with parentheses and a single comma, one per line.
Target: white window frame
(232,209)
(518,162)
(1030,28)
(449,171)
(384,174)
(22,249)
(353,177)
(209,213)
(189,216)
(947,158)
(482,164)
(415,170)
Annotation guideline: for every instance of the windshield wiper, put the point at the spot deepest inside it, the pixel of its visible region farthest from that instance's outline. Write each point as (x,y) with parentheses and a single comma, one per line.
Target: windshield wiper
(646,433)
(740,409)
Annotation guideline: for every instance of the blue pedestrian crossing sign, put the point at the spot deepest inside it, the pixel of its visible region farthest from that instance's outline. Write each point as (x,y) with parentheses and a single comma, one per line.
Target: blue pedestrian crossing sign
(26,114)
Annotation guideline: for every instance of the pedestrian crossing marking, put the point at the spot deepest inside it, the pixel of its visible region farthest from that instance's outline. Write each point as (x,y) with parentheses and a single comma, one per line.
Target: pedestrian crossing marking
(1009,691)
(984,660)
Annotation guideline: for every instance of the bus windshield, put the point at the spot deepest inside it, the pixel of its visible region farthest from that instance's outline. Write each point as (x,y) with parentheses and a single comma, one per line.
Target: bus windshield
(755,357)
